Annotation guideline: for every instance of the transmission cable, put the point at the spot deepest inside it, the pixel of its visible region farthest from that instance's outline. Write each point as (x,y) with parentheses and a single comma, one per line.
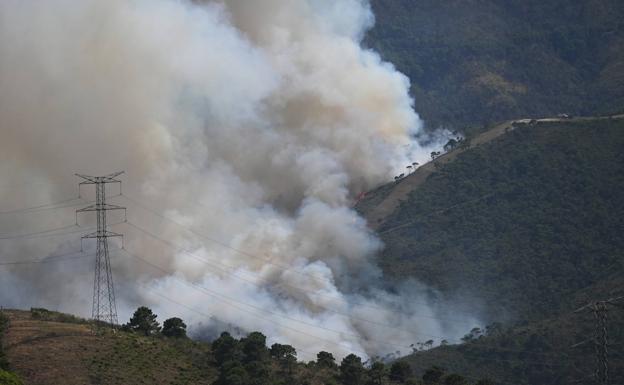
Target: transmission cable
(42,206)
(229,301)
(250,255)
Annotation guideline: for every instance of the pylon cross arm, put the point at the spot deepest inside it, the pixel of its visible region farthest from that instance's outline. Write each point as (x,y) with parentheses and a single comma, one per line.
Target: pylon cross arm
(106,234)
(110,178)
(97,207)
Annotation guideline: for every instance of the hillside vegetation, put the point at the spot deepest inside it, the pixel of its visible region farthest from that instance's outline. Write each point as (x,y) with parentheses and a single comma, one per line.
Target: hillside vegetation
(528,227)
(472,63)
(49,348)
(523,221)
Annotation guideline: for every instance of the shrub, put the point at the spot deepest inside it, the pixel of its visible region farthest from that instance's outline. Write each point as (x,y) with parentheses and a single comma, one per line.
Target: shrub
(8,378)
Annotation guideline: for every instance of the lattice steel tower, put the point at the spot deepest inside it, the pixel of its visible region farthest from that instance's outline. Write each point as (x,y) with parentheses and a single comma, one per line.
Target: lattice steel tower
(600,310)
(104,307)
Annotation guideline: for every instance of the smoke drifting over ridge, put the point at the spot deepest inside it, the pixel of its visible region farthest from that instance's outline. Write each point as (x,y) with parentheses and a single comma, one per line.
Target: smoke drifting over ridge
(255,123)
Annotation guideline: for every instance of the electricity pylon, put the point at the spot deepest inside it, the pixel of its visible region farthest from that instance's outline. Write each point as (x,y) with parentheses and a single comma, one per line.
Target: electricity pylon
(600,310)
(104,308)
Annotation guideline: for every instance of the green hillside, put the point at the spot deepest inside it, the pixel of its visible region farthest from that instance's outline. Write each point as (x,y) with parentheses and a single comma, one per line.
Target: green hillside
(476,62)
(522,222)
(528,227)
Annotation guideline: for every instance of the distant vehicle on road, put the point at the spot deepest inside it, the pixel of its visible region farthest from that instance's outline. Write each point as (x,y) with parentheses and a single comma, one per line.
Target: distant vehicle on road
(564,116)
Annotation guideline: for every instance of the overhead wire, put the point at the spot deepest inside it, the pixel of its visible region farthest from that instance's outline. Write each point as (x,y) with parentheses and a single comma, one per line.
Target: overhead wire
(38,207)
(43,233)
(232,302)
(229,300)
(46,234)
(350,317)
(311,354)
(49,259)
(250,255)
(188,252)
(68,256)
(17,236)
(194,256)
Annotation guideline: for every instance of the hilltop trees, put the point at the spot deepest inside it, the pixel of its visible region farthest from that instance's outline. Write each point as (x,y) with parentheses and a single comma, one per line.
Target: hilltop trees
(377,373)
(174,327)
(400,372)
(326,360)
(285,355)
(352,370)
(144,320)
(248,360)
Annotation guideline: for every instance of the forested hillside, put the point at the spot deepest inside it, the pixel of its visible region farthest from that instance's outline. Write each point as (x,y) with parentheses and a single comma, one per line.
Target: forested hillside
(529,227)
(476,62)
(523,222)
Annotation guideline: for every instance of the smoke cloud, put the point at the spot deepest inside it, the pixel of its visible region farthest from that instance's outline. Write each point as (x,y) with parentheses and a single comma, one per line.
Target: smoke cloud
(246,129)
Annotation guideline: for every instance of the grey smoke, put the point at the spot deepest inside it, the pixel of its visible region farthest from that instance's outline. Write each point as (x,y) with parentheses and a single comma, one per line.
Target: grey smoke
(256,123)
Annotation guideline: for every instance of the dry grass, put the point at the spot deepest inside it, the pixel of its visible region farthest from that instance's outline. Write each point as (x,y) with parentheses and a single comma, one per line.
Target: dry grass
(47,352)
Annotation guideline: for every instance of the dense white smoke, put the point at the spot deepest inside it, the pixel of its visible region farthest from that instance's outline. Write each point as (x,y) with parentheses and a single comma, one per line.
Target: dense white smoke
(250,123)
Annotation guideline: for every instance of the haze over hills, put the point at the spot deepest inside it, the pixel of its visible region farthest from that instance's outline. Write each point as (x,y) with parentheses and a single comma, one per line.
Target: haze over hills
(532,262)
(245,165)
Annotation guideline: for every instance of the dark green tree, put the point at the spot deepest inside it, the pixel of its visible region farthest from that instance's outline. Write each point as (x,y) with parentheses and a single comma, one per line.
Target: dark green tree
(259,372)
(455,379)
(326,360)
(286,355)
(450,145)
(352,370)
(226,348)
(174,327)
(232,372)
(400,372)
(377,373)
(254,347)
(144,320)
(433,375)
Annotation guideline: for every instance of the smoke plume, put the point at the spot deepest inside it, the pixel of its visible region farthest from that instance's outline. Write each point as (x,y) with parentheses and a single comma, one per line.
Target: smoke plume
(246,129)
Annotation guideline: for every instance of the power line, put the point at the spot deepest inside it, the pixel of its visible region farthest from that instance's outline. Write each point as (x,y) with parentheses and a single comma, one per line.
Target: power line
(41,206)
(49,259)
(250,255)
(207,291)
(439,211)
(332,310)
(45,234)
(188,252)
(232,302)
(26,235)
(311,354)
(228,300)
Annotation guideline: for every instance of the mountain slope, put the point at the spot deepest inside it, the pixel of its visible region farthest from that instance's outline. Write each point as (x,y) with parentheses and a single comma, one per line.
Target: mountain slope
(520,222)
(555,351)
(476,62)
(527,227)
